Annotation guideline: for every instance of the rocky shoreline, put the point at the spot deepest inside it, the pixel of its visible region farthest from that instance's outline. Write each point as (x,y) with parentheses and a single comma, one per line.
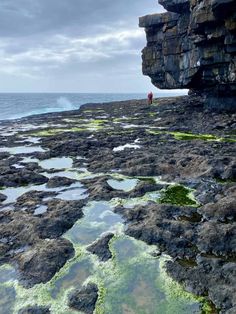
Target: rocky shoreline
(169,169)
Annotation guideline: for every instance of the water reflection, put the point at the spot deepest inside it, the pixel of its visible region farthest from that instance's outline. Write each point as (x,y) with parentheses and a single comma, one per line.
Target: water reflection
(99,218)
(56,163)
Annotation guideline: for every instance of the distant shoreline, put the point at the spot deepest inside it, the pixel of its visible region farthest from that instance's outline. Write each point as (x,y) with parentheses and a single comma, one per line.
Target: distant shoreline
(66,103)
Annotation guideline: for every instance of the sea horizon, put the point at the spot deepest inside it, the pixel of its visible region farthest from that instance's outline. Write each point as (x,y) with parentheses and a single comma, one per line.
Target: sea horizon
(16,105)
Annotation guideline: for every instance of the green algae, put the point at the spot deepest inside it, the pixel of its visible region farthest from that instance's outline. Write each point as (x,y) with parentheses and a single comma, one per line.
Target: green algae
(120,288)
(131,280)
(125,119)
(192,136)
(48,132)
(150,180)
(135,286)
(7,273)
(208,307)
(41,294)
(99,218)
(225,181)
(153,114)
(178,195)
(82,126)
(7,299)
(176,290)
(173,194)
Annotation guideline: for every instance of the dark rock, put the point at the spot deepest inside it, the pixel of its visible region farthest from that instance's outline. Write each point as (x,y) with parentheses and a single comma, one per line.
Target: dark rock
(98,188)
(193,48)
(178,6)
(199,239)
(32,242)
(101,248)
(32,199)
(12,177)
(56,182)
(144,187)
(2,197)
(34,310)
(40,264)
(4,155)
(217,238)
(170,227)
(200,280)
(222,209)
(84,300)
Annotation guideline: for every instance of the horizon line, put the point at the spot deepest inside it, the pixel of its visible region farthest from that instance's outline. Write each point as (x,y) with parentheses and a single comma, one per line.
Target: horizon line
(71,92)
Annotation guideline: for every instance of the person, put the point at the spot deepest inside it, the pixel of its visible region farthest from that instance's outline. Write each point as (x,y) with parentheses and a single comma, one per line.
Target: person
(150,98)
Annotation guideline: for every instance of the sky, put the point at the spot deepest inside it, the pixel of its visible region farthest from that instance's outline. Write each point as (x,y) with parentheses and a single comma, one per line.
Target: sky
(73,45)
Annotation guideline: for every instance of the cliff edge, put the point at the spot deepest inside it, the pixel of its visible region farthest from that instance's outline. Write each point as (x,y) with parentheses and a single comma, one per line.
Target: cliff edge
(193,46)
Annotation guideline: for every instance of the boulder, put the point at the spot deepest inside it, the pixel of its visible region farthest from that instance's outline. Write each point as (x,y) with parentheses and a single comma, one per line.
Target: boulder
(40,263)
(84,300)
(101,247)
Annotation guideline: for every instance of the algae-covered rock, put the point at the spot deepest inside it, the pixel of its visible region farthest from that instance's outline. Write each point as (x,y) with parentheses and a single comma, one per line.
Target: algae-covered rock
(181,146)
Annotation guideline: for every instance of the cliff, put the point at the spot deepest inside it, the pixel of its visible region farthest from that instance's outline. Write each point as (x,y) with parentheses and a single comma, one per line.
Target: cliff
(193,46)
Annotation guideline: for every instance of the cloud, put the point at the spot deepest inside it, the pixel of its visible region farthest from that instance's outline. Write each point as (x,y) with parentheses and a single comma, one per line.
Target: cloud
(43,39)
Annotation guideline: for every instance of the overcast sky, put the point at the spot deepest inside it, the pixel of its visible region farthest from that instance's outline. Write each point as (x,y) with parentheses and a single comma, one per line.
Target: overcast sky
(73,45)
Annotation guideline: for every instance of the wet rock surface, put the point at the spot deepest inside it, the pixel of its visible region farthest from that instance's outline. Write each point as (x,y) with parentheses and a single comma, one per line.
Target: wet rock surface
(56,182)
(85,299)
(2,197)
(39,264)
(101,247)
(193,46)
(12,177)
(174,142)
(34,310)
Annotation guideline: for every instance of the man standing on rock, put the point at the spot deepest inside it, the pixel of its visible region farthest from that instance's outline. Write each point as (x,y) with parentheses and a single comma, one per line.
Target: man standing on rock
(150,98)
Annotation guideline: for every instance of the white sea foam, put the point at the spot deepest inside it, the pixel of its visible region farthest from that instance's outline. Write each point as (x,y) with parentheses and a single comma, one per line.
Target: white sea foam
(65,104)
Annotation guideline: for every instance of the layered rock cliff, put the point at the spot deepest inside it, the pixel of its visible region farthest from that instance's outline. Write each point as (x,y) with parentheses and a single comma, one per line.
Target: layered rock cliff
(193,46)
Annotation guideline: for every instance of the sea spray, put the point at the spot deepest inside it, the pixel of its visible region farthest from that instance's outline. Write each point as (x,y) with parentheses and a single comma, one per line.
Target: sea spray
(65,104)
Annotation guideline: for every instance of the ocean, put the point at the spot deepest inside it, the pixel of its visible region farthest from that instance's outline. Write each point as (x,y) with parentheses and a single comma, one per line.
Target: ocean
(18,105)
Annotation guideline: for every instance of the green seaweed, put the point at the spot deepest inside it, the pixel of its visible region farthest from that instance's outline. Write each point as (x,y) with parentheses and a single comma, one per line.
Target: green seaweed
(149,180)
(178,195)
(153,114)
(136,286)
(192,136)
(208,308)
(225,181)
(127,119)
(48,132)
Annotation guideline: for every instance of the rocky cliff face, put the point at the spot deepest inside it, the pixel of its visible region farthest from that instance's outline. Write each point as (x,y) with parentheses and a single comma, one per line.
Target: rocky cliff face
(193,46)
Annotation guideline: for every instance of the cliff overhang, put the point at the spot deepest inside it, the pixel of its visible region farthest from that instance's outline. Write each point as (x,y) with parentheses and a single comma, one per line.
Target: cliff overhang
(193,46)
